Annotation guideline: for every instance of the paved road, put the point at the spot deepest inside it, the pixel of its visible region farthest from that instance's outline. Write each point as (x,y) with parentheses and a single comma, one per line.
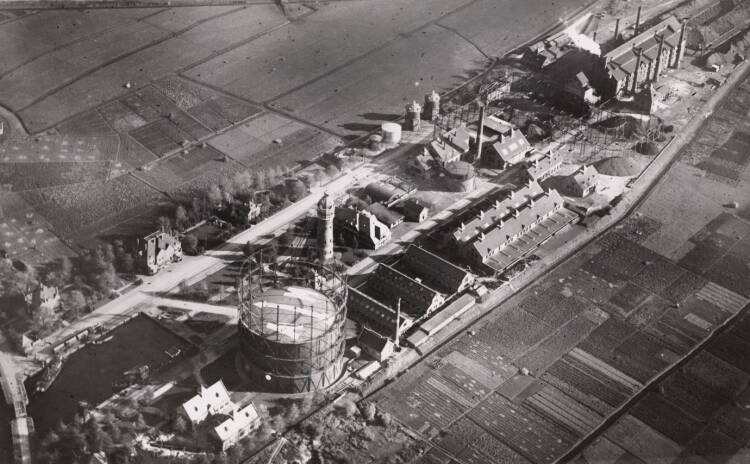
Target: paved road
(194,268)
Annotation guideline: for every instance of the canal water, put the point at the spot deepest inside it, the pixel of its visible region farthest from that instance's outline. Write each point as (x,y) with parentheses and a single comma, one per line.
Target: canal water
(90,373)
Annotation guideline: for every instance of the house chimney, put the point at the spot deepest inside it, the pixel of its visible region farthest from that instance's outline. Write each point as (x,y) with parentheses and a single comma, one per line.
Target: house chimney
(482,236)
(481,215)
(637,21)
(617,28)
(515,213)
(462,227)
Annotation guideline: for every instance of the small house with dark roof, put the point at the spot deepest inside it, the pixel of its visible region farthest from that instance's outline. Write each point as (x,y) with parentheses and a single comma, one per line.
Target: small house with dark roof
(451,146)
(421,165)
(375,345)
(584,181)
(509,147)
(385,215)
(414,210)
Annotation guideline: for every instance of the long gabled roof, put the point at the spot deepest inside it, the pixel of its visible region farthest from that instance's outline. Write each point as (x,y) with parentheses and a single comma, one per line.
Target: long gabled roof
(416,298)
(369,311)
(501,208)
(621,61)
(513,225)
(427,264)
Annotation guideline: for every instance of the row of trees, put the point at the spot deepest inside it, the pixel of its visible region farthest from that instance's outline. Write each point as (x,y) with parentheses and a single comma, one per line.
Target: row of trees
(82,282)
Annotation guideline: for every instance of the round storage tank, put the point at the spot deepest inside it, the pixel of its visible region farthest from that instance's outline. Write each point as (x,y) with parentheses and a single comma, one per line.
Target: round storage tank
(391,132)
(461,176)
(292,336)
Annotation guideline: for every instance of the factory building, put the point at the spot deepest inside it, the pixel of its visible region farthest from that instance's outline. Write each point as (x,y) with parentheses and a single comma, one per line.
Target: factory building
(394,288)
(371,313)
(435,271)
(645,57)
(390,191)
(369,231)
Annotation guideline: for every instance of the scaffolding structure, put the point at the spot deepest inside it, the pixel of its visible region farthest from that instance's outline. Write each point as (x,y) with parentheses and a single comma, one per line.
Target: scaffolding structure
(291,323)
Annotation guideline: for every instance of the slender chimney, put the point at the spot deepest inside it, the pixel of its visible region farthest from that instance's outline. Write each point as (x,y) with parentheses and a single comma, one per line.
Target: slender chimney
(681,44)
(617,28)
(659,64)
(398,322)
(480,133)
(637,21)
(634,87)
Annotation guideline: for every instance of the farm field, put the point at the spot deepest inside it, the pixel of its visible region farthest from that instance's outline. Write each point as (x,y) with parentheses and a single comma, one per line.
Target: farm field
(254,144)
(80,87)
(341,103)
(113,97)
(597,331)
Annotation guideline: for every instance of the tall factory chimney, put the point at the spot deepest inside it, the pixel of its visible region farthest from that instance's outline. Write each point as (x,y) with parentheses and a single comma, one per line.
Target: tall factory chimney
(617,28)
(480,131)
(681,45)
(637,21)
